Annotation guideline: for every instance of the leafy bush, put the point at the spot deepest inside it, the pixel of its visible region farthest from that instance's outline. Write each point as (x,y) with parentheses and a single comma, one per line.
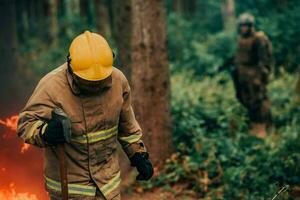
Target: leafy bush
(197,41)
(215,155)
(202,53)
(280,21)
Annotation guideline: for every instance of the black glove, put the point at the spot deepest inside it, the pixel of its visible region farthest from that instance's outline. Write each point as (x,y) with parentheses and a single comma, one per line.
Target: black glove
(143,166)
(54,133)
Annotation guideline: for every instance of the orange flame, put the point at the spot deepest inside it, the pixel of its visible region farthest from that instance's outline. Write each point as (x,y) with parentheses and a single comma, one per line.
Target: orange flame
(11,194)
(10,122)
(25,147)
(14,183)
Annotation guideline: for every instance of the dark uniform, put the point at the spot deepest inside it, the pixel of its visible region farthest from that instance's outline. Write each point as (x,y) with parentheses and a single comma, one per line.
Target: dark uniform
(252,61)
(253,66)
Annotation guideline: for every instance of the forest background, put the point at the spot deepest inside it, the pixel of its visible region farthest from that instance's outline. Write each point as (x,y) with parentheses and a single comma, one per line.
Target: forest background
(173,53)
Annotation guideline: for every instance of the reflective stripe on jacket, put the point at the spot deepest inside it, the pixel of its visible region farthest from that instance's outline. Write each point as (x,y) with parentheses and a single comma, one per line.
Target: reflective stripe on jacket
(98,122)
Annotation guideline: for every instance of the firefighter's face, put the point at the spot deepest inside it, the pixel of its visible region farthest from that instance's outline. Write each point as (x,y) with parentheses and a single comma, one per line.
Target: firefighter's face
(89,87)
(245,29)
(85,86)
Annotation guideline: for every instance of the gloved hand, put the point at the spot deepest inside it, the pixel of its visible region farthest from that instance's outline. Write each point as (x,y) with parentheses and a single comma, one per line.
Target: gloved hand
(54,133)
(143,166)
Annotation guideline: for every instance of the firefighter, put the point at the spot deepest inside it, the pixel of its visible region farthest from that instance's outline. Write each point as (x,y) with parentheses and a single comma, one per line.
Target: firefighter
(96,98)
(253,66)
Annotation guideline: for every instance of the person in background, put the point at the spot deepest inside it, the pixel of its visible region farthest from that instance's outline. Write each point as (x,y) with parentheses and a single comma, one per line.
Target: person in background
(252,63)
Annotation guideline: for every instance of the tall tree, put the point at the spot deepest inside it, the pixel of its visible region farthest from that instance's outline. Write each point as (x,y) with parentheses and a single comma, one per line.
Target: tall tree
(53,21)
(72,12)
(102,17)
(22,18)
(86,10)
(10,96)
(144,44)
(228,12)
(72,8)
(122,11)
(186,8)
(177,6)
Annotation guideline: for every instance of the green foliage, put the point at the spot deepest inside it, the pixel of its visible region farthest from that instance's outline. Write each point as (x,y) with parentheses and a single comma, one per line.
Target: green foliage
(202,53)
(279,20)
(39,54)
(284,107)
(197,40)
(215,155)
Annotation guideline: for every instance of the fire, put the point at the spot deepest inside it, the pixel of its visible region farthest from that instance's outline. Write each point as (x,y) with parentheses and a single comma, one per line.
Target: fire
(11,194)
(21,174)
(25,147)
(10,122)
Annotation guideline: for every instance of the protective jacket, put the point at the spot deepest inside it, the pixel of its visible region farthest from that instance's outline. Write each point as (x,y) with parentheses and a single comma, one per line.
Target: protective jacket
(98,122)
(253,56)
(253,65)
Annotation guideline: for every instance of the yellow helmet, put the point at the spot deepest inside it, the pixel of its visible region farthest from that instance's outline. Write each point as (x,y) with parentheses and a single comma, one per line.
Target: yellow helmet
(91,57)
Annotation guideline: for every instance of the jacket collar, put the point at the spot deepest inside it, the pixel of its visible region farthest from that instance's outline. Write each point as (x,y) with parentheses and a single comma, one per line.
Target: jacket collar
(106,83)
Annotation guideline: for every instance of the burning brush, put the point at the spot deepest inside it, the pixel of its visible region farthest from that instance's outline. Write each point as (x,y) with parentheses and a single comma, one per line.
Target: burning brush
(12,123)
(20,169)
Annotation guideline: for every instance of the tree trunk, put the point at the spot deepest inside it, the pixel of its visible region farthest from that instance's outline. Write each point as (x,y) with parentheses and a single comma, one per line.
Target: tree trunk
(146,56)
(86,11)
(22,18)
(84,7)
(177,6)
(72,13)
(228,12)
(186,8)
(32,16)
(10,96)
(72,8)
(102,17)
(122,11)
(53,22)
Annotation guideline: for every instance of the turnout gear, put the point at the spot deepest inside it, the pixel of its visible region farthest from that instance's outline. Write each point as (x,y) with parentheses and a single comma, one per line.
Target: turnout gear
(143,165)
(90,57)
(98,121)
(253,66)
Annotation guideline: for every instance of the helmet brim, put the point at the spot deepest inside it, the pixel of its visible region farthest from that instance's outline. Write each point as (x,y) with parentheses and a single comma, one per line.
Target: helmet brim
(96,73)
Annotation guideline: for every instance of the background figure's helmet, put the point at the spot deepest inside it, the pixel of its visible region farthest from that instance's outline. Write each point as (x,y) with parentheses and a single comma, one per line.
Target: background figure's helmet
(246,19)
(91,57)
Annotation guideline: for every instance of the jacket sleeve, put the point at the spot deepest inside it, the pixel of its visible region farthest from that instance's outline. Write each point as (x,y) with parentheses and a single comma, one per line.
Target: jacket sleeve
(130,133)
(33,118)
(264,53)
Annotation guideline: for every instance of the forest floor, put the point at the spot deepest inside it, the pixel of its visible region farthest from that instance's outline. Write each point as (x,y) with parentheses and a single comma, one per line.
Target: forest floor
(133,191)
(177,192)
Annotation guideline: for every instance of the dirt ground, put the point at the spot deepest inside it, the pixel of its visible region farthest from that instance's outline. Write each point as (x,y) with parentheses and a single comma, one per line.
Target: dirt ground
(176,193)
(159,195)
(130,191)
